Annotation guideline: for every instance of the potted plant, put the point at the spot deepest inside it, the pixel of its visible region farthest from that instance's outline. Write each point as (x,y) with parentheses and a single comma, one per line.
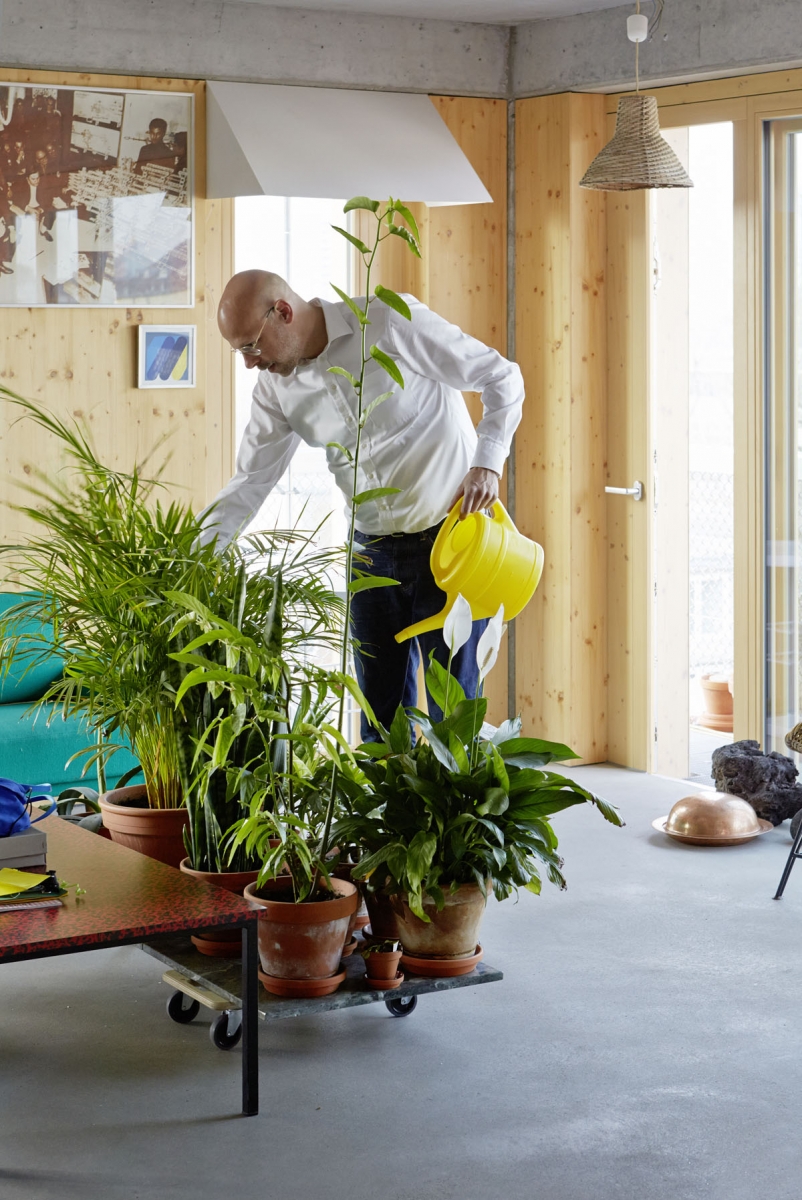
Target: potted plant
(136,604)
(381,964)
(462,812)
(304,925)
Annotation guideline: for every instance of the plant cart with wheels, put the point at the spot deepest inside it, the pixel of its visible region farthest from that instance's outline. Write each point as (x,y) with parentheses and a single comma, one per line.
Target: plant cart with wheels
(215,983)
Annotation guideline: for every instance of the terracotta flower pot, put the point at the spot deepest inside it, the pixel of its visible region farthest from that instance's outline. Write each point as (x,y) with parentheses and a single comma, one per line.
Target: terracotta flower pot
(383,920)
(451,933)
(303,941)
(382,964)
(220,943)
(718,704)
(156,832)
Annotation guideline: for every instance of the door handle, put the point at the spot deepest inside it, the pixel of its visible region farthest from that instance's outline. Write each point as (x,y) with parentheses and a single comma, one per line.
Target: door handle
(636,491)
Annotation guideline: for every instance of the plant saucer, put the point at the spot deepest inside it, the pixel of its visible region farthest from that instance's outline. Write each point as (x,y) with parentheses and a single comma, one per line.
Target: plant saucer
(301,988)
(441,968)
(384,985)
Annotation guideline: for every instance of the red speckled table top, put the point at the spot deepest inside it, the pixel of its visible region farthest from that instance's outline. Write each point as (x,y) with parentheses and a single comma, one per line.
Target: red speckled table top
(128,898)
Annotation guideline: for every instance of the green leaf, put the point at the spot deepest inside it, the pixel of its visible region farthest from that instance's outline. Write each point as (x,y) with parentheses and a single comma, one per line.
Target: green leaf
(343,450)
(387,364)
(496,802)
(361,316)
(393,300)
(419,857)
(408,217)
(203,675)
(373,404)
(445,690)
(363,202)
(522,745)
(400,732)
(355,241)
(399,231)
(373,494)
(352,379)
(365,582)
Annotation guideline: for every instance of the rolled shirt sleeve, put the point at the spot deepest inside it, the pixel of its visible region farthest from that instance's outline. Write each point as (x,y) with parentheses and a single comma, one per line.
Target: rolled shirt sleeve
(442,352)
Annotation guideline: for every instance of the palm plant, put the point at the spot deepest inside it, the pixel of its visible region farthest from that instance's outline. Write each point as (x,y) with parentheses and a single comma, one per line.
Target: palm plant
(137,605)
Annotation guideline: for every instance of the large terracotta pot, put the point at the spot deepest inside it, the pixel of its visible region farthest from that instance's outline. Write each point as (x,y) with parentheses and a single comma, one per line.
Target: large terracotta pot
(303,941)
(220,943)
(451,933)
(157,832)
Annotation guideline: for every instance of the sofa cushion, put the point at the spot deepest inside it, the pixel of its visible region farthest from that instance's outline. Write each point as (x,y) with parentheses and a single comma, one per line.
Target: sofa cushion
(31,751)
(24,681)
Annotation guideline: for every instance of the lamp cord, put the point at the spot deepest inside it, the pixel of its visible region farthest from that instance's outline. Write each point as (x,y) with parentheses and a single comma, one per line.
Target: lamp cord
(637,50)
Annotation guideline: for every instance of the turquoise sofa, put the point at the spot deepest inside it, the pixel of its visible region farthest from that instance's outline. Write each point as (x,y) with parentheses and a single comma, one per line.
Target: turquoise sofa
(31,750)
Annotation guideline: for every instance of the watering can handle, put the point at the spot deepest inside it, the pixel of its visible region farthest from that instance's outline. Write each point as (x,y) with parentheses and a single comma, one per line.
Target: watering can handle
(499,514)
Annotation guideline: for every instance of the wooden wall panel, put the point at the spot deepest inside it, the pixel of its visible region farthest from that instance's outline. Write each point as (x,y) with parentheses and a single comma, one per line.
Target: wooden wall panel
(82,361)
(561,444)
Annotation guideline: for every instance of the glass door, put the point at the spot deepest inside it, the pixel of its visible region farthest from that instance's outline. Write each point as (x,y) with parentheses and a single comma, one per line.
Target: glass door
(783,391)
(692,425)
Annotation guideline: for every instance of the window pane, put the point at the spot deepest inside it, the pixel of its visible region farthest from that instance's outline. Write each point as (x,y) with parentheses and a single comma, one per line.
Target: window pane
(292,236)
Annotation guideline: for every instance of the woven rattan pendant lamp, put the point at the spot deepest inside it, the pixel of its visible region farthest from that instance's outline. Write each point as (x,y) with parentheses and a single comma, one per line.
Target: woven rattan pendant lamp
(638,156)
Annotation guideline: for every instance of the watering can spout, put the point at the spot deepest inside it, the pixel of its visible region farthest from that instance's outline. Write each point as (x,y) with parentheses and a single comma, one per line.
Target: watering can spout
(427,626)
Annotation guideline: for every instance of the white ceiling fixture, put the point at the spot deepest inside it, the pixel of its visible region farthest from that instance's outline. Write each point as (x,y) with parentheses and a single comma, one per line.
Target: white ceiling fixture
(267,139)
(485,12)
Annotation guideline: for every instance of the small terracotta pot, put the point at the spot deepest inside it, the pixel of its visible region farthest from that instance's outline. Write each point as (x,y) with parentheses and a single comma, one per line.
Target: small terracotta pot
(384,985)
(450,933)
(220,943)
(383,920)
(303,941)
(156,832)
(382,964)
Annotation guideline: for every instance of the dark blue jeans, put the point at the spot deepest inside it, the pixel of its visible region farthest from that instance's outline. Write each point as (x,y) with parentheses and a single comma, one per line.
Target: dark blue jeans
(387,671)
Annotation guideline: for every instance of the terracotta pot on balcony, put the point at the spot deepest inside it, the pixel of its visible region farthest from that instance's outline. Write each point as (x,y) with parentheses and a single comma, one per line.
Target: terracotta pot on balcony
(717,695)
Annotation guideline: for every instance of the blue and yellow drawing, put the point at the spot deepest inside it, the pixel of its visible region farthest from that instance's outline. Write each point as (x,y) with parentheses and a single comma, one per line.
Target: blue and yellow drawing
(166,357)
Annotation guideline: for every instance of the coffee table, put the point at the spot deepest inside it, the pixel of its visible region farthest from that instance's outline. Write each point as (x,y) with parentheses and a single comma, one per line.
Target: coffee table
(130,899)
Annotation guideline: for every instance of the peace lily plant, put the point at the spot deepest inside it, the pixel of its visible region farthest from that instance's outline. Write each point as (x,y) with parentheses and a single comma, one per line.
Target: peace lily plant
(468,804)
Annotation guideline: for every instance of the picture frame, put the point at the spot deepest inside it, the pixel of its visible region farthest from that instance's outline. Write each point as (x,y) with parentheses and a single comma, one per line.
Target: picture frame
(96,197)
(166,357)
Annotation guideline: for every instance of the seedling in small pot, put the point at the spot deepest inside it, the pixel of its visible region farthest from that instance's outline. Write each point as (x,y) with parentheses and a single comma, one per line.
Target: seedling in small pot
(382,959)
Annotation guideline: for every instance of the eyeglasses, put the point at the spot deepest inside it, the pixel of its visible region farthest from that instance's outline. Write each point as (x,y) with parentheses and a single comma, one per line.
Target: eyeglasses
(252,350)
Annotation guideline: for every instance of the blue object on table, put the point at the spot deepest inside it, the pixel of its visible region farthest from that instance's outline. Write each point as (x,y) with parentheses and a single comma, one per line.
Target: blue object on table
(15,805)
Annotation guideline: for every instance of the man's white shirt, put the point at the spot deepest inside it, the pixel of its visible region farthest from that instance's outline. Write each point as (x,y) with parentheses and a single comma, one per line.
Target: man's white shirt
(420,440)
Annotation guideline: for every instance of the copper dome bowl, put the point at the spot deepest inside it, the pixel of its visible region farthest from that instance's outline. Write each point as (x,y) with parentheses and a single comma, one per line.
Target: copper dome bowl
(712,819)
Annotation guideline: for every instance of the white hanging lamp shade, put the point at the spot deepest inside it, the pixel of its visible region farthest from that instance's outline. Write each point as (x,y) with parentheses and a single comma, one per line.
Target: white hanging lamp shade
(638,156)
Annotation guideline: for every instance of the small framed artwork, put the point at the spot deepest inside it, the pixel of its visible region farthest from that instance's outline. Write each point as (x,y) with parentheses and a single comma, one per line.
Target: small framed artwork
(166,356)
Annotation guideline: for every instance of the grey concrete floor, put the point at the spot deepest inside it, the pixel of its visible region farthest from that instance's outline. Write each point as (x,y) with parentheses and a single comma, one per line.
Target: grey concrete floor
(644,1045)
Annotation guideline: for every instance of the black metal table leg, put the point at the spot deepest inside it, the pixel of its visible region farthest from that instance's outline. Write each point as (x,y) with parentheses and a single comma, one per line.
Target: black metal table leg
(250,1019)
(792,857)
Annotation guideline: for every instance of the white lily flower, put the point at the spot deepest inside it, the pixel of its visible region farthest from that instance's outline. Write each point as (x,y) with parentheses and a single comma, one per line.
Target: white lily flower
(457,625)
(489,642)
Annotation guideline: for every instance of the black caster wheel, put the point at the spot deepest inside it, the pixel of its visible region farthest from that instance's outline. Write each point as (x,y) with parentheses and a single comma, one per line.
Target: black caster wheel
(226,1030)
(177,1012)
(401,1006)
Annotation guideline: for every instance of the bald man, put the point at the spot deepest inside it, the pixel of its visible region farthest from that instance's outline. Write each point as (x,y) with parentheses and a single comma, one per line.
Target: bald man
(421,440)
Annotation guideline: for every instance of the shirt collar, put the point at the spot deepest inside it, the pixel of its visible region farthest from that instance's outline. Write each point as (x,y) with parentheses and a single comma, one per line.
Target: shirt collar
(336,324)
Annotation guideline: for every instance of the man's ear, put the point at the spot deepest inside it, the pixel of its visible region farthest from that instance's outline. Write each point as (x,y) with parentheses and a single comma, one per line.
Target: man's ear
(284,311)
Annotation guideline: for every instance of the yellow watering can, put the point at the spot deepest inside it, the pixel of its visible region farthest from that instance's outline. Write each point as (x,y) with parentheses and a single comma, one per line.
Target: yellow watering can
(485,559)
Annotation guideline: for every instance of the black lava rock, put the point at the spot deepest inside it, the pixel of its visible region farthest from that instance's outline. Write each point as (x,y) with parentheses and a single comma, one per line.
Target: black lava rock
(767,781)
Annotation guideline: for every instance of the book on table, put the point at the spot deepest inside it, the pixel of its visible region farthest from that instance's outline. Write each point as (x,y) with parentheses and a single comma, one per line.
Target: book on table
(21,887)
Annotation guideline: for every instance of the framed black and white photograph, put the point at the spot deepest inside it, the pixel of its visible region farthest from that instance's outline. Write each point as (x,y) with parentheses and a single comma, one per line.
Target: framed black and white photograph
(95,197)
(166,356)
